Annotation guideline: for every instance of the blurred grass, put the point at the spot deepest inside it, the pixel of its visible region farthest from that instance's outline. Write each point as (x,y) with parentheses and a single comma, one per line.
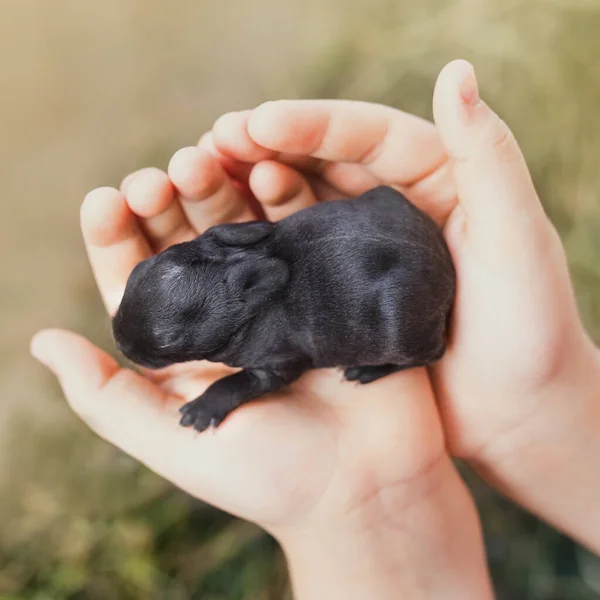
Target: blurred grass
(89,93)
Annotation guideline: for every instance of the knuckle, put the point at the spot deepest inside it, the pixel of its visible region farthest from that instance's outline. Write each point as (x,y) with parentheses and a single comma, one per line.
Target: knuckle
(504,142)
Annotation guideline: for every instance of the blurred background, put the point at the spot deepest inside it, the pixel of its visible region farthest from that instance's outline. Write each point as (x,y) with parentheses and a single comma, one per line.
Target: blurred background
(90,91)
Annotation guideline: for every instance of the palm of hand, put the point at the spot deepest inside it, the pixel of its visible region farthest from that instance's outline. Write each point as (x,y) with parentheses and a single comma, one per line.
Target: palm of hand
(319,450)
(322,445)
(515,318)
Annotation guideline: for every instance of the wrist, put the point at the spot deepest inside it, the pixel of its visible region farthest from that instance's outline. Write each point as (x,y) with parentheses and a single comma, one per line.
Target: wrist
(549,464)
(419,539)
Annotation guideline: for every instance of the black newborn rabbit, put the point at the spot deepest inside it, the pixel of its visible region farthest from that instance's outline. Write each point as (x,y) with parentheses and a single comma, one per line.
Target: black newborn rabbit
(365,284)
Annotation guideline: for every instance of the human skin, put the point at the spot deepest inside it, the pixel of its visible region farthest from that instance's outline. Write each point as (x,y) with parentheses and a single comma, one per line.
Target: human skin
(355,482)
(517,388)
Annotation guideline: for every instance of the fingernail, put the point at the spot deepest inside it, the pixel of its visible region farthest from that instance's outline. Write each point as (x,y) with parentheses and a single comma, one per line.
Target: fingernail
(469,91)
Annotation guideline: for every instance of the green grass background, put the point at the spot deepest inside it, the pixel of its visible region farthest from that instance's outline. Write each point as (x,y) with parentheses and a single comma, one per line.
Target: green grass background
(89,91)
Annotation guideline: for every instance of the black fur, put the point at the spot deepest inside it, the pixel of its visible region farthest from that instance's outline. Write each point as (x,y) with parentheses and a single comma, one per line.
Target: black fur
(366,284)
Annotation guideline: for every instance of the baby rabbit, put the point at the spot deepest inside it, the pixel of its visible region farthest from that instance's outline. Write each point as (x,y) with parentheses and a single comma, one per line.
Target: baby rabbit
(364,284)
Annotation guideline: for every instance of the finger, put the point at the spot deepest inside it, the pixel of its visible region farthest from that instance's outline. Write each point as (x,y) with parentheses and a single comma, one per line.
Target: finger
(81,368)
(494,186)
(238,171)
(152,197)
(396,147)
(234,167)
(207,194)
(435,193)
(230,137)
(118,404)
(114,242)
(323,190)
(349,179)
(280,189)
(128,179)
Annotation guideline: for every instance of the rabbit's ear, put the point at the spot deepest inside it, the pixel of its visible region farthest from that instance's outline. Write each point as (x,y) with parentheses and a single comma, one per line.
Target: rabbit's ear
(256,281)
(242,234)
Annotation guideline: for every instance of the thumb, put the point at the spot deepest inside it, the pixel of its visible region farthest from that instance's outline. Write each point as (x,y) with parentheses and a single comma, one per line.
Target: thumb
(493,183)
(118,404)
(81,368)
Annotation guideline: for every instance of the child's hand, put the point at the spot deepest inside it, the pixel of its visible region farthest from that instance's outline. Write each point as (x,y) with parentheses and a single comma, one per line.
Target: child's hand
(514,386)
(354,481)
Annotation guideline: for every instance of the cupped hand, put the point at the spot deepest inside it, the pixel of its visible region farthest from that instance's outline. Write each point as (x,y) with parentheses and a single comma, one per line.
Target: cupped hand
(320,452)
(515,331)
